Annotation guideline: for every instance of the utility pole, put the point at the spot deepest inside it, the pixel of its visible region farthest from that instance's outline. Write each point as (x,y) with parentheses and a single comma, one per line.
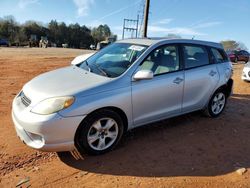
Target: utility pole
(146,13)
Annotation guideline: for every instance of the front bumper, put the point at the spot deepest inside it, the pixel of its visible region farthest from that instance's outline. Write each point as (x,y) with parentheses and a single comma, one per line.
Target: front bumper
(45,132)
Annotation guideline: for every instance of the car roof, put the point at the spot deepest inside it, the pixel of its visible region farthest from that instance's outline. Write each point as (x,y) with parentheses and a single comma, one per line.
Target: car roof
(152,41)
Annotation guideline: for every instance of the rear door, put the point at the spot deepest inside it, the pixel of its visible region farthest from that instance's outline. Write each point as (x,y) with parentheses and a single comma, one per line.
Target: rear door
(201,77)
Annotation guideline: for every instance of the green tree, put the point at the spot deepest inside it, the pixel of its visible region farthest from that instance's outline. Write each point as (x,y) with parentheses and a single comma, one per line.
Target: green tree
(21,37)
(230,45)
(101,33)
(34,28)
(75,35)
(63,33)
(54,32)
(8,28)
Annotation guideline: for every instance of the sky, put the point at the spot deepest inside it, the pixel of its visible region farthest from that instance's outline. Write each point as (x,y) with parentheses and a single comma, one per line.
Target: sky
(212,20)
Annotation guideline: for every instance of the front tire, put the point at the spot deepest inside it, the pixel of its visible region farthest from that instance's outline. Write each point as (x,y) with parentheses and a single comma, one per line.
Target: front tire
(99,133)
(216,104)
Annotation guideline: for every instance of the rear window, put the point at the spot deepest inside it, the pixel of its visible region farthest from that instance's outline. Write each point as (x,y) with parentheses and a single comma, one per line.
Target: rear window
(218,56)
(195,56)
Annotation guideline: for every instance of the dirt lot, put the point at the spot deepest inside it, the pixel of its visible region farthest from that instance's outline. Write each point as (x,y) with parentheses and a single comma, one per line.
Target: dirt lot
(188,151)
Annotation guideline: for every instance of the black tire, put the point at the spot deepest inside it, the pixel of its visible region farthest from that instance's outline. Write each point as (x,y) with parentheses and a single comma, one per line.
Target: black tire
(81,138)
(209,109)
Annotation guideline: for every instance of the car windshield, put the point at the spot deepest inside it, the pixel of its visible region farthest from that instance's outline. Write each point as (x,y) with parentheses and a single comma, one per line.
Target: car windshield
(114,59)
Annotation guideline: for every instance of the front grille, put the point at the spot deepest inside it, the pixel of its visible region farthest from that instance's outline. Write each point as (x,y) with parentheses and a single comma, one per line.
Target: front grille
(25,100)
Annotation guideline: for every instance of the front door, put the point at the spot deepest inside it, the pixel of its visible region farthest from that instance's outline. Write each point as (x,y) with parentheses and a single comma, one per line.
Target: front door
(160,97)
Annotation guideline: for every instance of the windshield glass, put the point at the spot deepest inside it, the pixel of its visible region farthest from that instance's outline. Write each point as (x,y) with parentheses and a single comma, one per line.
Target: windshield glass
(114,59)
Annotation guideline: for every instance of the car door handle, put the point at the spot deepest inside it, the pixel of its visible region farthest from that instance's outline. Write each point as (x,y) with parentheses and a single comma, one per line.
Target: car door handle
(178,80)
(212,73)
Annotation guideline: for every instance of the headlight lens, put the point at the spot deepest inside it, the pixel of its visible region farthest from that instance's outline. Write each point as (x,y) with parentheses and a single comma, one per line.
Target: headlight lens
(52,105)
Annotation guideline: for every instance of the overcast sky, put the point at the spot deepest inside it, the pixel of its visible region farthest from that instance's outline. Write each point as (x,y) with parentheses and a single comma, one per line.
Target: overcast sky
(212,20)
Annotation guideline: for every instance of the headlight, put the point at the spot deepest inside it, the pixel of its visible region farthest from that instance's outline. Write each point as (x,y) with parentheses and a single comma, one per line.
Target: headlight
(52,105)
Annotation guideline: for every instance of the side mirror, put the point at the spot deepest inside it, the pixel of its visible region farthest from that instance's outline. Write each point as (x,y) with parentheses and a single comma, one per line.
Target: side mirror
(143,75)
(79,59)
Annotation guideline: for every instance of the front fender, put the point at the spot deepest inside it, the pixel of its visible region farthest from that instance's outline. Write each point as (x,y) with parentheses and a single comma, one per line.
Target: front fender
(119,98)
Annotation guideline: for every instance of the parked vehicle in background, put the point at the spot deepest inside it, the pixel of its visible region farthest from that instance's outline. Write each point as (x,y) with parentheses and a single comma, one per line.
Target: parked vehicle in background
(238,55)
(92,47)
(246,72)
(64,45)
(88,107)
(33,41)
(101,45)
(43,43)
(108,41)
(4,42)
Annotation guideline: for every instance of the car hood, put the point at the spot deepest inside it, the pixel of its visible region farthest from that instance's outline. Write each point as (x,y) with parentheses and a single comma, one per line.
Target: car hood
(61,82)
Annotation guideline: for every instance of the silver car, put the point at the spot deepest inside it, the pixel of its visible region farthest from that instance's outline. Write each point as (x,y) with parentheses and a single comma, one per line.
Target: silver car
(86,108)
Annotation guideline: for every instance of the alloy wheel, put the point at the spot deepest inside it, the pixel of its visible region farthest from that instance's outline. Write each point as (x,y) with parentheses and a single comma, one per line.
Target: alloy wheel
(218,103)
(102,134)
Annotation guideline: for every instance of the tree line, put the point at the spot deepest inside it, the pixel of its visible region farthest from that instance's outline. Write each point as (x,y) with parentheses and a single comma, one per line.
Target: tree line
(74,35)
(230,45)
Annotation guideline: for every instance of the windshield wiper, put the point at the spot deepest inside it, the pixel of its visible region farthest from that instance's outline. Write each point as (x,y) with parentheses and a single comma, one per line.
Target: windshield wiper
(101,70)
(88,66)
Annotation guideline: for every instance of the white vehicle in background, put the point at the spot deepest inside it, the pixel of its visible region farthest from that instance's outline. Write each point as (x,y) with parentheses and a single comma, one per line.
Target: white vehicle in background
(92,47)
(246,72)
(79,59)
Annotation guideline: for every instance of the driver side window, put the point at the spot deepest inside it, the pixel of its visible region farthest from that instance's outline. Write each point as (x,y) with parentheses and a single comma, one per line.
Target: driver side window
(162,60)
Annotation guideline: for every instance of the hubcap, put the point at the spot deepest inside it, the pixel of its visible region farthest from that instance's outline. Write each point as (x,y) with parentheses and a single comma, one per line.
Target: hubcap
(102,134)
(218,103)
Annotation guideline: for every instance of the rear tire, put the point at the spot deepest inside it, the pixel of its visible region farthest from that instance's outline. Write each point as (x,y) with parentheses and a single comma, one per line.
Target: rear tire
(99,133)
(216,104)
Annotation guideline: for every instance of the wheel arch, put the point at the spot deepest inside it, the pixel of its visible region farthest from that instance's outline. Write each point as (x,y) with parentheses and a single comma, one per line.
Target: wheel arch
(119,111)
(228,87)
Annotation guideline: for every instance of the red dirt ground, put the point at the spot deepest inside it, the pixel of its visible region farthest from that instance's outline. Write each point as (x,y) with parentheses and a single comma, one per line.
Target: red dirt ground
(187,151)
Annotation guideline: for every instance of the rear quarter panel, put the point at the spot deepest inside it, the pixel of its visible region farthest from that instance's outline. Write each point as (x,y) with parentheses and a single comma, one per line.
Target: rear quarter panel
(225,72)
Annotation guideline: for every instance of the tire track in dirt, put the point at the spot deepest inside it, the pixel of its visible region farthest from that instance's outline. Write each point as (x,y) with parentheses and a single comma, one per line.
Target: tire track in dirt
(13,163)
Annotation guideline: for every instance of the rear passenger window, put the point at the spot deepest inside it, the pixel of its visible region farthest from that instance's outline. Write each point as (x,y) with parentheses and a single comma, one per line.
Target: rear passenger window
(195,56)
(218,56)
